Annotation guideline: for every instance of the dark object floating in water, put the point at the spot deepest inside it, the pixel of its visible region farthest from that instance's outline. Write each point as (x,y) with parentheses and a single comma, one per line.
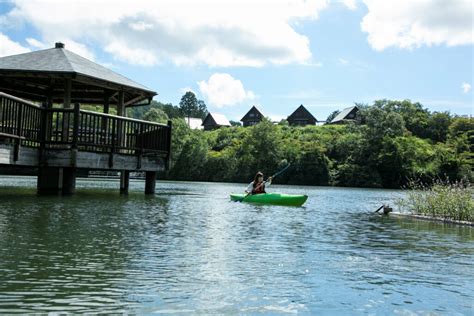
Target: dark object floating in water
(386,209)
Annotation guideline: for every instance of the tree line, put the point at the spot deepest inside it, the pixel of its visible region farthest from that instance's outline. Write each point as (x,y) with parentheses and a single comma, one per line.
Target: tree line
(388,144)
(189,106)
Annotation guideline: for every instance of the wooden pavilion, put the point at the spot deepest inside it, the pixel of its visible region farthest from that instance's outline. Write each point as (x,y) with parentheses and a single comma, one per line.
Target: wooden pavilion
(43,126)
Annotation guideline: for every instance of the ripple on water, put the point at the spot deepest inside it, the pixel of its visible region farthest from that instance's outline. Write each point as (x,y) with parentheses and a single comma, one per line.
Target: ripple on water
(189,249)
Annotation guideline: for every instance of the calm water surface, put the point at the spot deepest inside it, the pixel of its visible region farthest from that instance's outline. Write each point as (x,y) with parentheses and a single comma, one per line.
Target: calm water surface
(189,249)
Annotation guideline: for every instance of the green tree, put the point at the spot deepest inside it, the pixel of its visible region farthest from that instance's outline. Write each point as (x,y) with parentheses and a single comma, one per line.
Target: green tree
(190,106)
(381,123)
(462,126)
(416,117)
(191,159)
(155,115)
(202,109)
(350,174)
(438,126)
(179,134)
(139,111)
(264,142)
(311,166)
(171,110)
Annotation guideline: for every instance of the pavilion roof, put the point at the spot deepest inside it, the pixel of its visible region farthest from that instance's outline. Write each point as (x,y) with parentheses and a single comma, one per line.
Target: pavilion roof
(43,70)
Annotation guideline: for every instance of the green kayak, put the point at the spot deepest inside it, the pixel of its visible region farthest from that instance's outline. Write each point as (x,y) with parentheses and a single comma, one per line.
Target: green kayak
(271,198)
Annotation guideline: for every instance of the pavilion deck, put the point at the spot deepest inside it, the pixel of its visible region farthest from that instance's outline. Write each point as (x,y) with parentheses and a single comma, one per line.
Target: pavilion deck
(61,140)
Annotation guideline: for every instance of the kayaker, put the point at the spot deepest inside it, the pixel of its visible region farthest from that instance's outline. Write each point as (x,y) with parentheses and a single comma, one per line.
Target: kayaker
(257,186)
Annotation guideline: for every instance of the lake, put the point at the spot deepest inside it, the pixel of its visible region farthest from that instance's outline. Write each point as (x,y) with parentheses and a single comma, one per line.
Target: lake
(189,249)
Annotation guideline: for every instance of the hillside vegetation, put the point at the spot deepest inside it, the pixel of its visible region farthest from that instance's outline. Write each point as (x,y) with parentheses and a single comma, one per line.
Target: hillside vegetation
(390,143)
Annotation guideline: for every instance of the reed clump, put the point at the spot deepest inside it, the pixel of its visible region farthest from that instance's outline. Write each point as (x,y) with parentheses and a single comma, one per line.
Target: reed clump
(442,199)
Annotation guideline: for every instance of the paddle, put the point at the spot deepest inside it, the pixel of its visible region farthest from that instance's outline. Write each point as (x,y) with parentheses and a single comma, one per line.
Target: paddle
(273,177)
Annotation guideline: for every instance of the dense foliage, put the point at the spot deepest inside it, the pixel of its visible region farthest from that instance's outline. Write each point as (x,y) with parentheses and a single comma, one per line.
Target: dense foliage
(391,143)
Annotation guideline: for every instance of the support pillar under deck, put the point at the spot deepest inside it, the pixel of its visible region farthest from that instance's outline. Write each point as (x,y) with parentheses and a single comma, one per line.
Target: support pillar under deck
(124,181)
(54,180)
(150,182)
(50,180)
(69,181)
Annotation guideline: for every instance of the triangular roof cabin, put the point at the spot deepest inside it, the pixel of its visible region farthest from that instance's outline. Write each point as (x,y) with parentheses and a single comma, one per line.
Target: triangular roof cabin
(214,120)
(348,114)
(253,117)
(301,116)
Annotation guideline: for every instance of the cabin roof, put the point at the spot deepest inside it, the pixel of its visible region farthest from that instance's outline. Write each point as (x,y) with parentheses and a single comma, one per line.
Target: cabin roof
(342,116)
(219,119)
(301,108)
(253,109)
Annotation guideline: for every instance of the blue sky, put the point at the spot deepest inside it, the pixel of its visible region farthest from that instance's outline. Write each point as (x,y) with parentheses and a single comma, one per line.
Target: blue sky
(275,54)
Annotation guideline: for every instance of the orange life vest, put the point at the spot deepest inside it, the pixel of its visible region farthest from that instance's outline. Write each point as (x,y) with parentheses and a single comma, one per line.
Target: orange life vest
(258,188)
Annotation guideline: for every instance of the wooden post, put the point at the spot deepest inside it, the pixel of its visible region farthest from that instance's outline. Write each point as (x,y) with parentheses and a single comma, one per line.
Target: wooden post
(19,120)
(121,104)
(168,144)
(124,181)
(150,182)
(75,133)
(50,180)
(124,174)
(43,134)
(120,112)
(66,105)
(106,102)
(112,149)
(69,181)
(67,93)
(105,119)
(141,142)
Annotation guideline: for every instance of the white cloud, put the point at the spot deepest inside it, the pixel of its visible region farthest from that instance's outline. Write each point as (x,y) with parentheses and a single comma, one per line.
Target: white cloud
(316,64)
(226,33)
(134,56)
(350,4)
(466,87)
(35,43)
(409,24)
(222,90)
(9,47)
(71,45)
(141,26)
(343,61)
(79,49)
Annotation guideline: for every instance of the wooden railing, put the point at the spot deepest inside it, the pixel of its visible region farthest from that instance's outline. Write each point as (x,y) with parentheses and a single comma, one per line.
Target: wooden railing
(57,128)
(20,120)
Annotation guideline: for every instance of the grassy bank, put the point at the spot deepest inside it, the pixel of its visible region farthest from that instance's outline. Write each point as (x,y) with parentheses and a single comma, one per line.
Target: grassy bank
(453,201)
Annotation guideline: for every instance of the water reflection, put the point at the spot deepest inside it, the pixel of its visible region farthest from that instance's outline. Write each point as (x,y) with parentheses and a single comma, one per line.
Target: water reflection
(69,249)
(189,249)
